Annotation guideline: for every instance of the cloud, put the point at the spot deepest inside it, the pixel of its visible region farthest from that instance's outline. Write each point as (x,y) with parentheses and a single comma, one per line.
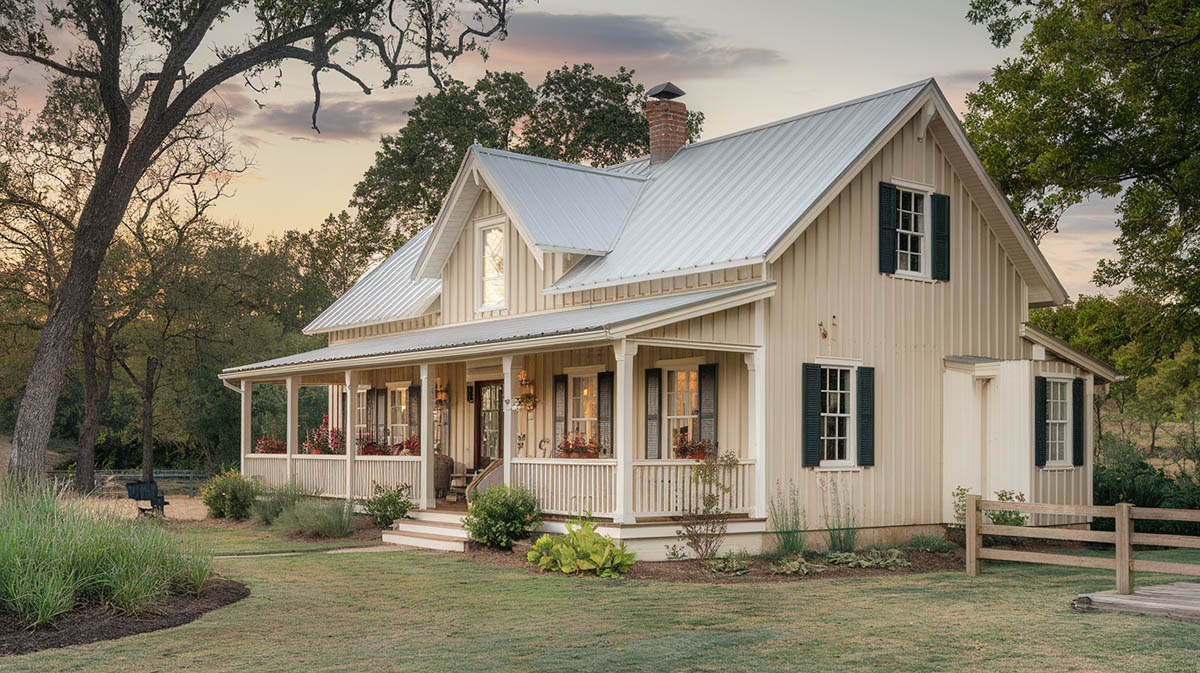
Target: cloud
(341,117)
(1085,236)
(653,46)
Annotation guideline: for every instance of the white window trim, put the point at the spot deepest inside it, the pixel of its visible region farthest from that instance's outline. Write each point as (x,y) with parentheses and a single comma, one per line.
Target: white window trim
(481,225)
(670,366)
(398,385)
(851,462)
(593,377)
(927,236)
(1068,460)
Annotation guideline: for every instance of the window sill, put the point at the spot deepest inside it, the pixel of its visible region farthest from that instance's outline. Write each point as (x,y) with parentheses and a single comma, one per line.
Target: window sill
(1059,468)
(838,468)
(912,276)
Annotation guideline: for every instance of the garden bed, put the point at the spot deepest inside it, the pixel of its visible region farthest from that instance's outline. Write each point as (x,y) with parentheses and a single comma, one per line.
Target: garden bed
(90,624)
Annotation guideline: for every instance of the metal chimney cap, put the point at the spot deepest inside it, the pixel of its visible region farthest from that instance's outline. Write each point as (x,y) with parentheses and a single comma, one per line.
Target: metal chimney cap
(665,91)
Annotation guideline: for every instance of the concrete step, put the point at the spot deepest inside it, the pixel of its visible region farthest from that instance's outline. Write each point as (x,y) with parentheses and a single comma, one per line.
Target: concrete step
(434,515)
(431,528)
(425,540)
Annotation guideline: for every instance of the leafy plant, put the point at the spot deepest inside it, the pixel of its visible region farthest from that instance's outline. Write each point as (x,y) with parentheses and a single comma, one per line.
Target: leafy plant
(1005,517)
(931,542)
(889,560)
(230,495)
(787,520)
(732,563)
(839,521)
(703,528)
(502,515)
(388,504)
(267,508)
(797,565)
(317,518)
(582,550)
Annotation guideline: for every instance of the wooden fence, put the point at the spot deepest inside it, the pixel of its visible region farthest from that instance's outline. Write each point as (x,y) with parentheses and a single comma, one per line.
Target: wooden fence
(1124,537)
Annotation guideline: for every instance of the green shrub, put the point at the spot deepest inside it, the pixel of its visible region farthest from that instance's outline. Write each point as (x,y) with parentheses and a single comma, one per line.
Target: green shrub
(1123,475)
(931,542)
(582,550)
(732,563)
(56,552)
(797,565)
(1003,517)
(316,518)
(839,520)
(267,508)
(388,504)
(230,495)
(890,559)
(788,521)
(502,515)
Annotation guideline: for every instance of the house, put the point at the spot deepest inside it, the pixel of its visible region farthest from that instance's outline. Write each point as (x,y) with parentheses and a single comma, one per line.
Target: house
(839,299)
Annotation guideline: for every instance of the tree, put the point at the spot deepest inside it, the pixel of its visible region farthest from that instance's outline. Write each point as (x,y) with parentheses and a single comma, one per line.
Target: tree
(1102,101)
(143,60)
(575,115)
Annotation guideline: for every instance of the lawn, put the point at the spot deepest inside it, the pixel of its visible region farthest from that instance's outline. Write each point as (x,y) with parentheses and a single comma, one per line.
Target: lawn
(427,611)
(230,539)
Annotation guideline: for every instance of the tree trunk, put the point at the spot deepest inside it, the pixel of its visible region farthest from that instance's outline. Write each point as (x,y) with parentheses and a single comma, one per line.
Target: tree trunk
(96,380)
(148,419)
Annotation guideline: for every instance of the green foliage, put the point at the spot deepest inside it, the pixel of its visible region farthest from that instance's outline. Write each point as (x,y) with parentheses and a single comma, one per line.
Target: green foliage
(1123,475)
(788,520)
(388,504)
(1007,517)
(57,552)
(839,519)
(797,565)
(316,517)
(230,495)
(502,515)
(732,563)
(703,528)
(890,559)
(931,542)
(267,508)
(582,550)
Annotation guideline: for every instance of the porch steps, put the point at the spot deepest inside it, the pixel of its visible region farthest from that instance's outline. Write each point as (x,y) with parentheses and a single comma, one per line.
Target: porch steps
(429,530)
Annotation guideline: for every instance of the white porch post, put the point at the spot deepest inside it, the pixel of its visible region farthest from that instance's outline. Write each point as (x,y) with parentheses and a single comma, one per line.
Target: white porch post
(347,439)
(247,416)
(624,353)
(428,496)
(293,425)
(757,394)
(508,428)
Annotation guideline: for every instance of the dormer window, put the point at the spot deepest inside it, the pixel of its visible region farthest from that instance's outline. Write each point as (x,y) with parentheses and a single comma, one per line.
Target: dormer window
(492,253)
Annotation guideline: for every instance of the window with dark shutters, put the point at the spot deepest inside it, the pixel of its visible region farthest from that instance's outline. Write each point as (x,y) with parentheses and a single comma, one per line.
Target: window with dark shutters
(708,403)
(654,414)
(1078,416)
(560,409)
(810,387)
(1039,421)
(866,416)
(940,225)
(604,403)
(887,228)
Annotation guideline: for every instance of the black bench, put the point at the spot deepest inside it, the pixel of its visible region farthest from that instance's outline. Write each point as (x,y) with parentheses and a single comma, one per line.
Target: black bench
(146,491)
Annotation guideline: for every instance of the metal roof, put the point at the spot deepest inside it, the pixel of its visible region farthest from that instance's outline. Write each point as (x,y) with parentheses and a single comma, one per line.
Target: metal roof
(386,293)
(597,318)
(561,206)
(730,199)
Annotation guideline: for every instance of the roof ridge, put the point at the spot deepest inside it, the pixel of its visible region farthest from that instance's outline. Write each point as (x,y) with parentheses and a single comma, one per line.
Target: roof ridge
(557,164)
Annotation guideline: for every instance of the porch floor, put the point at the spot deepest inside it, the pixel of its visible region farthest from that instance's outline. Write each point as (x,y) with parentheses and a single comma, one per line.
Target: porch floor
(1178,600)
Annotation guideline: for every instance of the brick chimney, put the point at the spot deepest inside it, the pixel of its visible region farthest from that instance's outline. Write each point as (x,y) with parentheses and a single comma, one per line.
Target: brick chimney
(668,122)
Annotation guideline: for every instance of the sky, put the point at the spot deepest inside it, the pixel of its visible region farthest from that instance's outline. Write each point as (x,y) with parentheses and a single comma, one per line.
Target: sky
(742,63)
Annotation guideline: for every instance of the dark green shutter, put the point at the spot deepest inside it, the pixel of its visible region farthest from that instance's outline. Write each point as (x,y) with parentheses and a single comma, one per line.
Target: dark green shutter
(560,409)
(811,412)
(941,236)
(1039,421)
(887,228)
(865,412)
(604,394)
(414,415)
(653,414)
(708,403)
(1077,421)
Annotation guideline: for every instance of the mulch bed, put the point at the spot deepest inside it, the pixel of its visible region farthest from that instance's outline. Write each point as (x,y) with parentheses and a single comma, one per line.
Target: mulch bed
(761,569)
(91,624)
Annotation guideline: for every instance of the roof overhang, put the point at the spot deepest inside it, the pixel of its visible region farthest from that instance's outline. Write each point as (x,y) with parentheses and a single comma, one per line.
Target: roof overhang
(1100,369)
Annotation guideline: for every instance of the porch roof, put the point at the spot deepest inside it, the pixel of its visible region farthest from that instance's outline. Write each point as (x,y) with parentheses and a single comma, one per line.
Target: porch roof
(599,321)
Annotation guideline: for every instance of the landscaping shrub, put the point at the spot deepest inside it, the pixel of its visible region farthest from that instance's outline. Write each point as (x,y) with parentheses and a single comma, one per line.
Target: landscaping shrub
(230,495)
(267,508)
(56,553)
(732,563)
(788,521)
(797,565)
(316,518)
(1123,475)
(582,550)
(388,504)
(931,542)
(703,528)
(502,515)
(890,559)
(839,521)
(1005,517)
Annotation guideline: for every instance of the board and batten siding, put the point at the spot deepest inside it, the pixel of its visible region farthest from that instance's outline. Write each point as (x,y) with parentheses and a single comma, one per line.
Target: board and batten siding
(1066,485)
(831,301)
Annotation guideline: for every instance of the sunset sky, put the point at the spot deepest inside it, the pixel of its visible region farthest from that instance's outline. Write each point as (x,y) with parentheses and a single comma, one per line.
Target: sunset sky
(742,64)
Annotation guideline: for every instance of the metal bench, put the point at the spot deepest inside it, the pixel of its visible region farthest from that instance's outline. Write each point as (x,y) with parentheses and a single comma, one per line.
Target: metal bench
(146,491)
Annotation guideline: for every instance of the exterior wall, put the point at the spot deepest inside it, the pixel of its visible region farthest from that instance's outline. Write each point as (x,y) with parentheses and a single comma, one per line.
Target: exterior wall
(1070,485)
(383,329)
(828,280)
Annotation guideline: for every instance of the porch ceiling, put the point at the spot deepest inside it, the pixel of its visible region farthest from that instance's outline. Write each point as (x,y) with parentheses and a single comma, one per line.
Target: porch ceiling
(597,322)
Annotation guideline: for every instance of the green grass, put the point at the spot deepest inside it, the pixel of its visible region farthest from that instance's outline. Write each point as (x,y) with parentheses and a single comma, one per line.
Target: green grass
(250,539)
(425,611)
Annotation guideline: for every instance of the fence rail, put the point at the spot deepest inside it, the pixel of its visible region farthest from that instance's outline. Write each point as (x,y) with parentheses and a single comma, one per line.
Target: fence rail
(1123,537)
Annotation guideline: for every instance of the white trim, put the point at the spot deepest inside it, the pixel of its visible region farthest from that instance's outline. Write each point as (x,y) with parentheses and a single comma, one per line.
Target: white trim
(681,362)
(834,467)
(584,370)
(851,391)
(838,361)
(1077,358)
(925,257)
(482,225)
(1068,459)
(699,345)
(912,186)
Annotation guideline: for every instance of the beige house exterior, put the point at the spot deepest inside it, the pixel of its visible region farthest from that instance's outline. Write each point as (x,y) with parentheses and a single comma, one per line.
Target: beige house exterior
(839,300)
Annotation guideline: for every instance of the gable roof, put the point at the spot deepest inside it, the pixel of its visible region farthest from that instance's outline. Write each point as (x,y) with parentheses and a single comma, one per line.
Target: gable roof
(384,294)
(1103,371)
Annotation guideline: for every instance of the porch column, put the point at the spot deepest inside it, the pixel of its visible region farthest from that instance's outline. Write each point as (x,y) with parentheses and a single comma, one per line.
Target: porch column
(624,353)
(428,498)
(757,401)
(508,428)
(347,439)
(293,425)
(247,416)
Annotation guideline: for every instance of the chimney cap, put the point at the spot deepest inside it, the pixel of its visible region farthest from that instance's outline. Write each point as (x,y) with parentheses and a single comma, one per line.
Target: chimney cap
(665,91)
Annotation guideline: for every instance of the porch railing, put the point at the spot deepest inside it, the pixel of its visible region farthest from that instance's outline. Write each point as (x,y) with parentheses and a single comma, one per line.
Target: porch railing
(569,486)
(270,468)
(666,488)
(327,474)
(387,471)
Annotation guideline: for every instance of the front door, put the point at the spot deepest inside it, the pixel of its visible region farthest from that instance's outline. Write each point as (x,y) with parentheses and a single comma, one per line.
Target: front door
(489,422)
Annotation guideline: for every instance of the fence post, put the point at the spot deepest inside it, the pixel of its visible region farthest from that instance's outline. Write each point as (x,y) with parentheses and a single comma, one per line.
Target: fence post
(973,539)
(1124,548)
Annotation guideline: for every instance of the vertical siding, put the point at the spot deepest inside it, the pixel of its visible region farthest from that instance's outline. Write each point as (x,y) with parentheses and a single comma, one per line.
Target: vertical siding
(904,328)
(1066,485)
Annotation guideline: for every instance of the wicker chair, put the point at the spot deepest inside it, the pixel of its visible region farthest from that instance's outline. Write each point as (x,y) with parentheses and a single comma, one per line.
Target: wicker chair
(443,465)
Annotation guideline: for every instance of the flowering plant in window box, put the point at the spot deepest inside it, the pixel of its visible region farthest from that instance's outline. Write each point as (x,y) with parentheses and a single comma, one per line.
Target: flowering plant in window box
(323,440)
(697,449)
(268,445)
(577,446)
(410,447)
